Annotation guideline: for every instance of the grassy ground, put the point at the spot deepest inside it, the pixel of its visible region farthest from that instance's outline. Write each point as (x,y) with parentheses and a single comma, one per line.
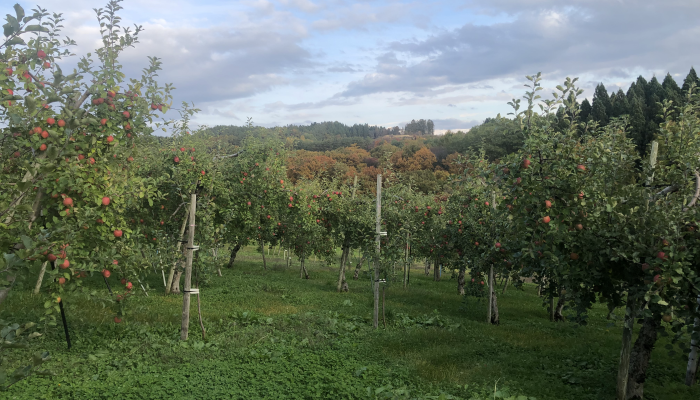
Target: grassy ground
(271,335)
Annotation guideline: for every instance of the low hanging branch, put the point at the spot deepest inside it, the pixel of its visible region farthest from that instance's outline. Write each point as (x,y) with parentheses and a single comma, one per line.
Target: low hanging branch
(697,192)
(228,155)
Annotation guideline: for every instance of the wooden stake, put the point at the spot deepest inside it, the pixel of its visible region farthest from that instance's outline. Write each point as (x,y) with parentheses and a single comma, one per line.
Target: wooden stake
(184,329)
(37,288)
(377,251)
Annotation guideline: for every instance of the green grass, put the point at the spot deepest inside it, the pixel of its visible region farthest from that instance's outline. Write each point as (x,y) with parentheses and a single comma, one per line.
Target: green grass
(271,335)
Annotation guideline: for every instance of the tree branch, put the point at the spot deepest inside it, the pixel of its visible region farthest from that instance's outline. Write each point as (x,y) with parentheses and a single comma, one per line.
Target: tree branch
(229,155)
(697,192)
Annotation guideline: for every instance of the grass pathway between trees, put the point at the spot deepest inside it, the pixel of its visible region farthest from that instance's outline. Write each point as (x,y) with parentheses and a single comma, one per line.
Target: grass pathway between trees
(271,335)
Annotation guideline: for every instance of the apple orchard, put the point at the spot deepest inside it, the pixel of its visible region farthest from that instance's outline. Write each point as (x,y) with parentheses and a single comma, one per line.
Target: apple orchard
(89,192)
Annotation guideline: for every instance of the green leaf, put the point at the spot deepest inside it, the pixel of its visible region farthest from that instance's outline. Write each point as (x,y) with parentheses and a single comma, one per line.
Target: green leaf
(15,40)
(8,29)
(27,242)
(19,11)
(36,28)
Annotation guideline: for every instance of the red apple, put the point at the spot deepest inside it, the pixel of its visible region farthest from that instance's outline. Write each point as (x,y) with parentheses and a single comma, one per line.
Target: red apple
(42,147)
(661,255)
(110,139)
(67,202)
(50,121)
(51,257)
(176,159)
(103,121)
(44,134)
(548,204)
(106,273)
(65,264)
(546,219)
(574,256)
(118,233)
(61,123)
(41,54)
(105,201)
(498,245)
(61,280)
(126,114)
(117,320)
(581,167)
(526,163)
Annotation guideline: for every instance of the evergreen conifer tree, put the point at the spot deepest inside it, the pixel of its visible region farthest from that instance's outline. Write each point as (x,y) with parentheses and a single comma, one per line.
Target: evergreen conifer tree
(691,77)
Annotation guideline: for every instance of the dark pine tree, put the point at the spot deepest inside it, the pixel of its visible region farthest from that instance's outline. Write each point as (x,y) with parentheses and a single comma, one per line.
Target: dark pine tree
(598,112)
(620,104)
(585,110)
(657,95)
(638,125)
(601,96)
(691,77)
(673,92)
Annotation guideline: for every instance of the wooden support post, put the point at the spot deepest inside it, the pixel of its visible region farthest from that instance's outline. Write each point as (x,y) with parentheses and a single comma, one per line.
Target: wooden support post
(184,329)
(377,251)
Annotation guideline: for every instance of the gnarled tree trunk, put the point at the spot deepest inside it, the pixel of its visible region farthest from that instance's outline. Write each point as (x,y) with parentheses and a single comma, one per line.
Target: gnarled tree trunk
(558,316)
(262,250)
(342,283)
(234,252)
(639,358)
(358,268)
(302,271)
(436,271)
(175,287)
(460,282)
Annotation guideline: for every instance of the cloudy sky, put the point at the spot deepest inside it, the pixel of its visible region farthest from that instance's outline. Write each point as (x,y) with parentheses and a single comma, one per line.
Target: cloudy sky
(386,62)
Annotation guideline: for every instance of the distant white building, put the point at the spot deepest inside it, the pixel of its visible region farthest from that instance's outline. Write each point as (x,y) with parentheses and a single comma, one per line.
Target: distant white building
(443,131)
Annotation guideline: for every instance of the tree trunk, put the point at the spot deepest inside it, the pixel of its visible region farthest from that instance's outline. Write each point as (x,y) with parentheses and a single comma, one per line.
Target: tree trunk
(170,284)
(505,286)
(234,252)
(302,270)
(551,301)
(184,329)
(624,366)
(342,283)
(558,316)
(358,268)
(175,288)
(436,271)
(460,282)
(406,265)
(216,261)
(427,267)
(495,320)
(37,288)
(493,317)
(262,250)
(639,359)
(693,356)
